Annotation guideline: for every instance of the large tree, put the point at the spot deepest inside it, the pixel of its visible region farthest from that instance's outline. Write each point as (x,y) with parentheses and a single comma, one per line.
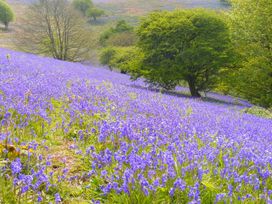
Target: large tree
(53,27)
(6,14)
(190,45)
(251,26)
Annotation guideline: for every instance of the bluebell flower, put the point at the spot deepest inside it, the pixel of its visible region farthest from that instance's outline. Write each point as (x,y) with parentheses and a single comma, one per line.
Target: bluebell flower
(16,166)
(57,198)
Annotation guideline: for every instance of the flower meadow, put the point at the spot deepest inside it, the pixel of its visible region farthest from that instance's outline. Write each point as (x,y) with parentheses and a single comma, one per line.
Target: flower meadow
(71,133)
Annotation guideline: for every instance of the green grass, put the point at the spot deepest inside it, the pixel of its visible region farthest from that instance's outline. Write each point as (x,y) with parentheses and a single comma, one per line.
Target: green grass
(259,111)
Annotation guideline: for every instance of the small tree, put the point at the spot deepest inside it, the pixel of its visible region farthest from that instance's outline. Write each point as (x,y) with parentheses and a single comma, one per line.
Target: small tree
(53,27)
(6,14)
(190,45)
(83,5)
(95,13)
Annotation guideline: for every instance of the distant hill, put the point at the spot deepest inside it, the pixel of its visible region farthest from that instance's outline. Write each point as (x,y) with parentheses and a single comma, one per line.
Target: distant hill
(169,3)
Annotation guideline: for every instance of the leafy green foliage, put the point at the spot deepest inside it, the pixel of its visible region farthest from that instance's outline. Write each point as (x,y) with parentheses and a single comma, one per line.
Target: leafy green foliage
(107,55)
(6,14)
(253,39)
(118,57)
(176,47)
(122,26)
(119,50)
(122,58)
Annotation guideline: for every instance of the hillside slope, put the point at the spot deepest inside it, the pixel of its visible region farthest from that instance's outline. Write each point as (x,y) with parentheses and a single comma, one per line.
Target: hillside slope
(89,133)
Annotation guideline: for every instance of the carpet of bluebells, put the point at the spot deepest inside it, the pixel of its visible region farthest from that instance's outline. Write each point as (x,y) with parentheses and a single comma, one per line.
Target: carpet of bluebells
(71,133)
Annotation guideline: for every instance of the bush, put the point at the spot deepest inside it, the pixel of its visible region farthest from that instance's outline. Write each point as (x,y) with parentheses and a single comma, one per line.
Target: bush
(106,56)
(121,58)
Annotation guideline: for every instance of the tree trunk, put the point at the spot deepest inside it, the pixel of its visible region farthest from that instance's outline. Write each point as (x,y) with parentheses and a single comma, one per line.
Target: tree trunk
(192,87)
(6,26)
(123,71)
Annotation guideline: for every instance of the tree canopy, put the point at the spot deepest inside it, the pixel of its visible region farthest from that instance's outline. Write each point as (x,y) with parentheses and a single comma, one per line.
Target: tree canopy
(6,14)
(190,45)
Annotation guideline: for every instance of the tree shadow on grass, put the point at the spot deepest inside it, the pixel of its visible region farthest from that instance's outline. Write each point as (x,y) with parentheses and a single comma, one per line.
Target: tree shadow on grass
(236,101)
